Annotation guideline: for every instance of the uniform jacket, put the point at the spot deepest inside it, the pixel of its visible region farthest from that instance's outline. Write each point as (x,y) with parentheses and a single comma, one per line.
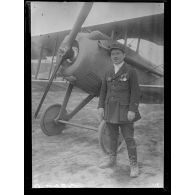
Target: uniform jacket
(119,94)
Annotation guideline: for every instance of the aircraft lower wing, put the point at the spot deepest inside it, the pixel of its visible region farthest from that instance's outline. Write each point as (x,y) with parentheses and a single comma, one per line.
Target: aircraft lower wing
(152,94)
(40,85)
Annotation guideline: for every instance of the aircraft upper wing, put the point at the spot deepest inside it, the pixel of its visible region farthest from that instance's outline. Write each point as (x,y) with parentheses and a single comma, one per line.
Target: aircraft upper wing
(47,41)
(150,28)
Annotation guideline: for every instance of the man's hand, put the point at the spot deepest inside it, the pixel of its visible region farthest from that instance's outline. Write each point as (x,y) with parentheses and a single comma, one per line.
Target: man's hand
(130,115)
(101,114)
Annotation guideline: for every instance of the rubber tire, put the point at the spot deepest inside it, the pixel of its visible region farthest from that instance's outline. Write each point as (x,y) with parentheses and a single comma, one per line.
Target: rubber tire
(47,123)
(102,132)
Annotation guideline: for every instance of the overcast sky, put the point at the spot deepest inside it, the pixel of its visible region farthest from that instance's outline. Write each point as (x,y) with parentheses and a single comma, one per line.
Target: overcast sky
(56,16)
(47,17)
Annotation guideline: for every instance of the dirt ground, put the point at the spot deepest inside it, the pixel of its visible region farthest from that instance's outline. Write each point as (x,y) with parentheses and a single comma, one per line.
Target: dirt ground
(71,159)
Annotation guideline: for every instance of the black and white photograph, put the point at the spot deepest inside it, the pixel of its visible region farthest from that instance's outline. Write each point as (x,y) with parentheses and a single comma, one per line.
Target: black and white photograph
(97,94)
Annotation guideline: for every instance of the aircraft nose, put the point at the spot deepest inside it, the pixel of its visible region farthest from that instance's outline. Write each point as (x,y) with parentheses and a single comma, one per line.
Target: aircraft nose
(65,53)
(70,55)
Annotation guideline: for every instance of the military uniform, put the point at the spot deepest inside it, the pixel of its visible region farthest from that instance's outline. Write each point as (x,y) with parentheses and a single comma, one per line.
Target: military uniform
(119,94)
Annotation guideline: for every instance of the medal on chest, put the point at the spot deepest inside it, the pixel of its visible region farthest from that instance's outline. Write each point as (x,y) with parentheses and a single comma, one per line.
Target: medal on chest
(109,78)
(123,77)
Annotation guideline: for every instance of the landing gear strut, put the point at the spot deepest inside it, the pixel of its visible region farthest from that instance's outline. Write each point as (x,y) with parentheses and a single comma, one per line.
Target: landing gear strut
(55,119)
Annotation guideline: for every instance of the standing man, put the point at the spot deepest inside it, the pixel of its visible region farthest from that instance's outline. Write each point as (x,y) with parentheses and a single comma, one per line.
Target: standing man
(118,106)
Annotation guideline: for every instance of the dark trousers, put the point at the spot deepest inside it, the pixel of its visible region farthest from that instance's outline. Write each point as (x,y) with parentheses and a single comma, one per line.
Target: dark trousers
(127,131)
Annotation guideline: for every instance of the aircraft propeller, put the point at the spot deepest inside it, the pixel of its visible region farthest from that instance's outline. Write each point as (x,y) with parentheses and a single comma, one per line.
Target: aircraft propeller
(65,50)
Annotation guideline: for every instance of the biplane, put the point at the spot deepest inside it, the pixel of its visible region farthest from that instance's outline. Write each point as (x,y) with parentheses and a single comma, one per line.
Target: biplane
(83,54)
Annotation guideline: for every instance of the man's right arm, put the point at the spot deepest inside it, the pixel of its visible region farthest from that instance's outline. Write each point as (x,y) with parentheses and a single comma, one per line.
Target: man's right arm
(102,98)
(103,92)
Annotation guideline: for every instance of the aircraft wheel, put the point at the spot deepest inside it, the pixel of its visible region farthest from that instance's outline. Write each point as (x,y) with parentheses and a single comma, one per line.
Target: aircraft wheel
(48,124)
(104,138)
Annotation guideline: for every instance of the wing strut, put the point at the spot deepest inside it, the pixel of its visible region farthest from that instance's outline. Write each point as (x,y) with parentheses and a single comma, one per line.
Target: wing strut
(138,44)
(53,58)
(112,35)
(125,38)
(39,63)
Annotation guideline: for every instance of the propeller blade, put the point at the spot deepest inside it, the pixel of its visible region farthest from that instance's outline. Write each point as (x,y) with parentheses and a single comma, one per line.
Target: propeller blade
(47,89)
(68,44)
(79,22)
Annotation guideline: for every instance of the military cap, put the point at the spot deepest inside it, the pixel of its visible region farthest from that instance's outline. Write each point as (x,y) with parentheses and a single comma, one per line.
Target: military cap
(117,46)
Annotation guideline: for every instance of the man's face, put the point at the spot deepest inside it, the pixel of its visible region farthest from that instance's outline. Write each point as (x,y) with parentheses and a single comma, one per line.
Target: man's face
(117,56)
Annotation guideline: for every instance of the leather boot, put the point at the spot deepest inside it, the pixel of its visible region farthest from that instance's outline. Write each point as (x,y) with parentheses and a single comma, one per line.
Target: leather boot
(132,152)
(134,169)
(111,162)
